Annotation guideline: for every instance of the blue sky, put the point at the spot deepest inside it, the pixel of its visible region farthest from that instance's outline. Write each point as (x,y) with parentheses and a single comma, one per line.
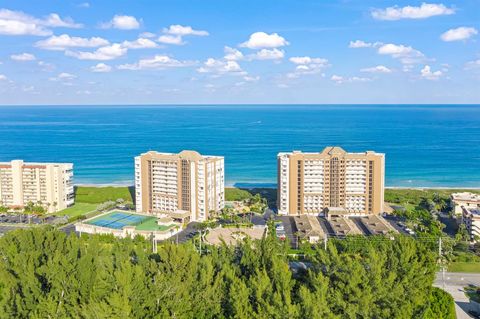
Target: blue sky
(270,51)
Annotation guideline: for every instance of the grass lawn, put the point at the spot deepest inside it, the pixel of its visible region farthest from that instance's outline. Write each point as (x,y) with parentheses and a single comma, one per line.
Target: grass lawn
(98,195)
(151,224)
(77,209)
(461,266)
(236,194)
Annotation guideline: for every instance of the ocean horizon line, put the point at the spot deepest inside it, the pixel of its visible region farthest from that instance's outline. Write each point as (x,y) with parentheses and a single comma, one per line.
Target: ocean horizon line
(274,186)
(237,104)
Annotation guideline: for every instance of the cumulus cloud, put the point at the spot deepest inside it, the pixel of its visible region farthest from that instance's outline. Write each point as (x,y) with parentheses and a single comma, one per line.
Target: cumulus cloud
(232,54)
(174,34)
(307,65)
(338,79)
(425,10)
(105,53)
(3,77)
(428,74)
(377,69)
(362,44)
(64,76)
(122,22)
(406,54)
(23,57)
(147,35)
(220,67)
(458,34)
(101,68)
(156,62)
(259,40)
(180,30)
(20,23)
(84,5)
(171,39)
(267,54)
(140,43)
(64,41)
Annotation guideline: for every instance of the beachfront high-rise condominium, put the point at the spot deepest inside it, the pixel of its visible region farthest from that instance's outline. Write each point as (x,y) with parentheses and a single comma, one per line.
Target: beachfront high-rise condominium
(310,182)
(47,184)
(173,184)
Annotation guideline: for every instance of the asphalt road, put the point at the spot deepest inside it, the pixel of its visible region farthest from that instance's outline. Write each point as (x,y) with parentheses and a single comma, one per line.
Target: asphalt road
(454,283)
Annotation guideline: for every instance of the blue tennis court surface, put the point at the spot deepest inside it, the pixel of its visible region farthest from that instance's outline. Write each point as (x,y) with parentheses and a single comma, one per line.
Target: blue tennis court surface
(118,220)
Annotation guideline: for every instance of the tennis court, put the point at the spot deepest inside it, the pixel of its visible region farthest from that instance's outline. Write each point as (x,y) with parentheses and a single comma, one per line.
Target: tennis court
(118,220)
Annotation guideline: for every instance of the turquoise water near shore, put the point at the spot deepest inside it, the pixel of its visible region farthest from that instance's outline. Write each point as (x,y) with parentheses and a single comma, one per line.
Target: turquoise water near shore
(425,145)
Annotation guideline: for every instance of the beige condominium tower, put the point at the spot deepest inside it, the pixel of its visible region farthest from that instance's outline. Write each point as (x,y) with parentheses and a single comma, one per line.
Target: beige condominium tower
(186,182)
(310,182)
(47,184)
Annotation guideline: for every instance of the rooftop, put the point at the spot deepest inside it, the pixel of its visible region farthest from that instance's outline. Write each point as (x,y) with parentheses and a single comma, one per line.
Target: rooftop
(466,196)
(376,225)
(308,226)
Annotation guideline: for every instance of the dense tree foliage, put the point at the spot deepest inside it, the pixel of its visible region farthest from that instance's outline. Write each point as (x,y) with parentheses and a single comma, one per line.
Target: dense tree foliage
(47,274)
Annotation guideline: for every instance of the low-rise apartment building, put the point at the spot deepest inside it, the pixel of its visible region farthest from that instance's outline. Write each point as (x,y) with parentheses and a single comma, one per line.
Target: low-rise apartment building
(310,182)
(183,184)
(47,184)
(471,220)
(465,199)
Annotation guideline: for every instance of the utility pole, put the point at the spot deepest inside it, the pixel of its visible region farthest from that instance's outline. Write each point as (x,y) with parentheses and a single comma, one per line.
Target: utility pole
(200,242)
(440,247)
(440,260)
(325,242)
(154,244)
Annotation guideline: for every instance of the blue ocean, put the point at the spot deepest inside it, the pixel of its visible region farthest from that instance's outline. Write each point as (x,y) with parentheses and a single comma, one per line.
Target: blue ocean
(425,145)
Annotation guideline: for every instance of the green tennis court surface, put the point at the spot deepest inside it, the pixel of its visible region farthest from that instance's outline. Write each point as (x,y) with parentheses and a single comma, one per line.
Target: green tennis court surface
(118,220)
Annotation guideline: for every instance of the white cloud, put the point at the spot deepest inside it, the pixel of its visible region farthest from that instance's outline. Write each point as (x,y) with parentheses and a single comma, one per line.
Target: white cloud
(425,10)
(232,54)
(340,79)
(54,20)
(140,43)
(362,44)
(101,68)
(377,69)
(147,35)
(180,30)
(458,34)
(337,78)
(65,41)
(48,67)
(122,22)
(111,52)
(23,57)
(3,77)
(171,39)
(19,23)
(307,60)
(220,67)
(266,54)
(157,62)
(260,40)
(248,78)
(307,65)
(84,5)
(64,76)
(175,33)
(406,54)
(473,64)
(427,73)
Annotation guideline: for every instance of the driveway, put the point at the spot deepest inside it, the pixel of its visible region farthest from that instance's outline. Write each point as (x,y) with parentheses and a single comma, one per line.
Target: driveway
(453,283)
